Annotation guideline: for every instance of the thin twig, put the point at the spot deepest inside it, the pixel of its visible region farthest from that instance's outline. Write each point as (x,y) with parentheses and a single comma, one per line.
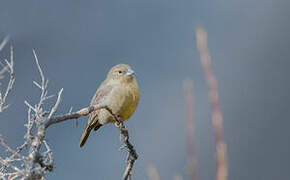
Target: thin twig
(39,69)
(54,108)
(10,69)
(10,150)
(4,42)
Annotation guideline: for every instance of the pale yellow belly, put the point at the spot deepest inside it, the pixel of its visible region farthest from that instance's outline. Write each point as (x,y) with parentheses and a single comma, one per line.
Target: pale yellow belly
(124,107)
(130,104)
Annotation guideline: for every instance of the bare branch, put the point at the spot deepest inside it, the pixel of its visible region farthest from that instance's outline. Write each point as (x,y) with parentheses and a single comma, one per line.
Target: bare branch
(53,110)
(69,116)
(30,106)
(10,69)
(132,155)
(36,84)
(4,42)
(29,126)
(48,159)
(38,162)
(2,161)
(39,69)
(9,149)
(43,86)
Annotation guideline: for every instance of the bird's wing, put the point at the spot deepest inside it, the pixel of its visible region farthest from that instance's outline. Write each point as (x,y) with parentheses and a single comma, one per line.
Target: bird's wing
(100,96)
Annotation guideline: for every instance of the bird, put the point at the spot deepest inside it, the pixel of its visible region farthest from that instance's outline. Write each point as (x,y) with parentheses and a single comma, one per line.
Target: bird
(120,93)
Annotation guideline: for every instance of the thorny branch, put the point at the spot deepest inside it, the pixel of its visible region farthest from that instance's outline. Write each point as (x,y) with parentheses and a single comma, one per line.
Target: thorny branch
(36,163)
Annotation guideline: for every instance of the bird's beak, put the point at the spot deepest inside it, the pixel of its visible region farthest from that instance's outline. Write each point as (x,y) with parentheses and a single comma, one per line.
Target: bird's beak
(130,72)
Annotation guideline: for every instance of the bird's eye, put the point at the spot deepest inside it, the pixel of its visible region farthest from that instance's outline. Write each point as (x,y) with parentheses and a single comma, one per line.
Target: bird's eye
(120,72)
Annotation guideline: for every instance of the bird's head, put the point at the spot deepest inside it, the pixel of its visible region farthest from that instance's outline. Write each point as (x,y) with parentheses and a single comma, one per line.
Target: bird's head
(121,72)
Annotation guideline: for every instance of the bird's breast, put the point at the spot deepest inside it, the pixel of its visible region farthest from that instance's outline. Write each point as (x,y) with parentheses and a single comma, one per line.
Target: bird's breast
(130,96)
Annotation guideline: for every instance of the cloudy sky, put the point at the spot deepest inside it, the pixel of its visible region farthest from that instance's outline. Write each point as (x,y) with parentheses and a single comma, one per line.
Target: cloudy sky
(78,41)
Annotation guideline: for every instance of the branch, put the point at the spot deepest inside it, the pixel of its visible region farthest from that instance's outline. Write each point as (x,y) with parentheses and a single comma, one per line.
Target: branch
(10,150)
(9,67)
(37,162)
(217,120)
(152,172)
(132,154)
(190,126)
(4,42)
(177,177)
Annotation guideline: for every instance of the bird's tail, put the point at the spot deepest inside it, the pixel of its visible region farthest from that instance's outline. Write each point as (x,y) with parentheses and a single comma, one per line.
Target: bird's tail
(86,134)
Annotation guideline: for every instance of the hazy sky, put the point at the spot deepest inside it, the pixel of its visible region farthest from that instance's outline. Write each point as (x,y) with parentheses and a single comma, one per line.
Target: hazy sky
(78,41)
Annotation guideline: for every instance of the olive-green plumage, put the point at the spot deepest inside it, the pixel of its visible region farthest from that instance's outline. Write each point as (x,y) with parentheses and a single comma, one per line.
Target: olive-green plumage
(119,92)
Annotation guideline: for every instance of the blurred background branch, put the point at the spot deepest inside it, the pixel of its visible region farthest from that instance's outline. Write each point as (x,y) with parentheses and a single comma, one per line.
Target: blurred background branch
(189,129)
(152,172)
(217,120)
(177,177)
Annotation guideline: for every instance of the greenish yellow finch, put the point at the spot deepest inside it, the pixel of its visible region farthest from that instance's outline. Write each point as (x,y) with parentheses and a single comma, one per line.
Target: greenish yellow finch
(119,92)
